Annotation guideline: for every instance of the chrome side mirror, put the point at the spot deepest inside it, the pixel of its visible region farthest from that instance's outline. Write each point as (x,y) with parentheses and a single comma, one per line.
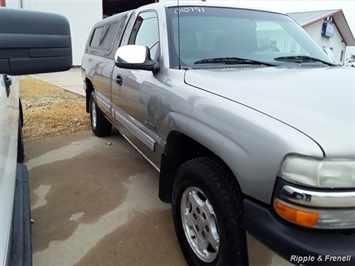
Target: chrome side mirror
(135,57)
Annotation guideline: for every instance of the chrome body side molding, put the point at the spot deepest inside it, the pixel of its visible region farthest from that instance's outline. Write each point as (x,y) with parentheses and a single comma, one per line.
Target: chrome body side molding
(134,129)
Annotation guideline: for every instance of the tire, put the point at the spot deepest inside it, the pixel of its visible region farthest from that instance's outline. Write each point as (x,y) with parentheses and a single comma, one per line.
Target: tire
(100,126)
(207,213)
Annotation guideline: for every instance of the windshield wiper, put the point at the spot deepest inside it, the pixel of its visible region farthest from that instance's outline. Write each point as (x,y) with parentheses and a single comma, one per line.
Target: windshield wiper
(302,59)
(232,61)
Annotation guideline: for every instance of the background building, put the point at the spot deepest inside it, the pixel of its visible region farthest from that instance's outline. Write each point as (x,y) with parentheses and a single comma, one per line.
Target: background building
(329,29)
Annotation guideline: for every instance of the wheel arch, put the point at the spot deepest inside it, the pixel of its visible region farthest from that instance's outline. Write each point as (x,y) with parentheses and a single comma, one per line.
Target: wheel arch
(176,154)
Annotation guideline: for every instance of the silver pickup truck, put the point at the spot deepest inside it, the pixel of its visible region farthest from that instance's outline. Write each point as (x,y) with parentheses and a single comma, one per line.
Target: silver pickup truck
(248,122)
(30,42)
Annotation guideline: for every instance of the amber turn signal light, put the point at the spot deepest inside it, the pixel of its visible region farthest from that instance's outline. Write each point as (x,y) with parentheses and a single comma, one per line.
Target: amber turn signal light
(296,216)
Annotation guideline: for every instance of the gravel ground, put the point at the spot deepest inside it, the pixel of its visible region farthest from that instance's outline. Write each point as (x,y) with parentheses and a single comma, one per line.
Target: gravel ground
(50,111)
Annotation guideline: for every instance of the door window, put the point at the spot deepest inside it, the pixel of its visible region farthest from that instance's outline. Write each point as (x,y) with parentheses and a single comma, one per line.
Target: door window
(145,32)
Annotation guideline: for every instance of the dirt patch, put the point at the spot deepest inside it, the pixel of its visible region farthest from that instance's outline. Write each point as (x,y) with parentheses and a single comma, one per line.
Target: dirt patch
(50,111)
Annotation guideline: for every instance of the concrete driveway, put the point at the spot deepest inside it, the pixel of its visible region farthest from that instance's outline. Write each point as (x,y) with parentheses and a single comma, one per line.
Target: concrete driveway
(95,202)
(70,80)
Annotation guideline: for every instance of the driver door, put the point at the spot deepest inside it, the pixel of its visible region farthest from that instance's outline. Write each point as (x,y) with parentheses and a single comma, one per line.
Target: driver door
(131,89)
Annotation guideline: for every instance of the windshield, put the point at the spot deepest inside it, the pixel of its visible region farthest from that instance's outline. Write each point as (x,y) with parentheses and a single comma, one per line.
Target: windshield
(201,33)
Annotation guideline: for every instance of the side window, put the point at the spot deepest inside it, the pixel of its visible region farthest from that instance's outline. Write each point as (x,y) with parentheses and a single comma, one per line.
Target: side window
(103,36)
(95,40)
(145,32)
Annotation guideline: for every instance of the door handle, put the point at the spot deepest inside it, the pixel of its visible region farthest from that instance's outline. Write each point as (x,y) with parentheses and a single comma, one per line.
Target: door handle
(119,80)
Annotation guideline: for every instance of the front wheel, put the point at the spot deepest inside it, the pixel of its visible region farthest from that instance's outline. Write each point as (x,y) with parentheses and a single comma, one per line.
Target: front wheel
(207,213)
(99,124)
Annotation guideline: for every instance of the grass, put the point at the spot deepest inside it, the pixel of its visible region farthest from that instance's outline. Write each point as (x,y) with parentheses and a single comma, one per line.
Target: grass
(50,111)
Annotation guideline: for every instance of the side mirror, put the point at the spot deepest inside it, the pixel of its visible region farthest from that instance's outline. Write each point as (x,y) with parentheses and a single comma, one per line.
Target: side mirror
(33,42)
(135,57)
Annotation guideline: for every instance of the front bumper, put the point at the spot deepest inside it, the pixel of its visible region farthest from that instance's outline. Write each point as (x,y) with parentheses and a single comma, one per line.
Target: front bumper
(295,244)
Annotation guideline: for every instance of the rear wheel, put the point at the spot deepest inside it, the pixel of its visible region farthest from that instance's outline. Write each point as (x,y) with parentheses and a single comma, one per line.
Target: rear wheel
(99,124)
(207,212)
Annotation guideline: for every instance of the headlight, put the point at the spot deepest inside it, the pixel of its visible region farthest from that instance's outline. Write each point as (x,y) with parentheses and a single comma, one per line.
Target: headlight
(316,193)
(321,173)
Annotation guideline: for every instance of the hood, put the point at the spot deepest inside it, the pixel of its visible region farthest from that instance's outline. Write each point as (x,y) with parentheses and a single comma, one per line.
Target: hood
(320,102)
